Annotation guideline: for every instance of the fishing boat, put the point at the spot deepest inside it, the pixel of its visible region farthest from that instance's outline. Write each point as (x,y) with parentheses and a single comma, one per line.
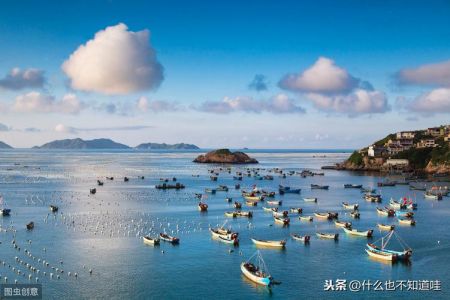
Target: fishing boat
(149,241)
(386,212)
(310,199)
(227,240)
(53,208)
(275,202)
(403,203)
(231,214)
(247,214)
(288,190)
(346,205)
(258,272)
(368,190)
(210,191)
(301,238)
(296,210)
(251,203)
(355,214)
(405,254)
(30,225)
(126,179)
(319,187)
(270,209)
(432,196)
(411,222)
(367,233)
(268,194)
(99,182)
(385,226)
(404,214)
(268,243)
(322,215)
(330,236)
(386,183)
(237,205)
(382,255)
(372,197)
(222,188)
(167,238)
(306,218)
(253,198)
(343,224)
(5,212)
(93,191)
(352,186)
(237,177)
(213,178)
(202,206)
(281,220)
(280,214)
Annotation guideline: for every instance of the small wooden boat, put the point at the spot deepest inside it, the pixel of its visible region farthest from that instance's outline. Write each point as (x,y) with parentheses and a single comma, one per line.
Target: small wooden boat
(247,214)
(432,196)
(202,206)
(257,273)
(231,214)
(404,214)
(343,224)
(305,238)
(306,218)
(270,209)
(322,215)
(213,178)
(99,182)
(319,187)
(126,179)
(355,214)
(53,208)
(296,210)
(411,222)
(167,238)
(268,194)
(165,186)
(251,203)
(385,226)
(237,205)
(346,205)
(5,212)
(367,233)
(382,255)
(149,241)
(352,186)
(372,197)
(405,254)
(310,199)
(274,202)
(30,225)
(109,178)
(331,236)
(271,244)
(237,177)
(288,190)
(228,240)
(229,199)
(282,214)
(222,188)
(253,198)
(281,220)
(93,191)
(386,212)
(386,183)
(210,191)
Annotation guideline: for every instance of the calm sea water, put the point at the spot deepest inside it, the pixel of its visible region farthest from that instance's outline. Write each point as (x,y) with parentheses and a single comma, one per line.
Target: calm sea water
(102,232)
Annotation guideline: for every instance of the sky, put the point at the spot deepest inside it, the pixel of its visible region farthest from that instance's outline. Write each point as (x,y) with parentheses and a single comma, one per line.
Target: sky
(256,74)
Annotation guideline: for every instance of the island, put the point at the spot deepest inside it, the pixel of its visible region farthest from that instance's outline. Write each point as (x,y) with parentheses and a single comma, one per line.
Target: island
(225,156)
(164,146)
(426,150)
(5,146)
(82,144)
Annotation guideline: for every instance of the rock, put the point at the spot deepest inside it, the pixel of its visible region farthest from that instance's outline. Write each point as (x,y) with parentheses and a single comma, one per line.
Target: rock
(225,156)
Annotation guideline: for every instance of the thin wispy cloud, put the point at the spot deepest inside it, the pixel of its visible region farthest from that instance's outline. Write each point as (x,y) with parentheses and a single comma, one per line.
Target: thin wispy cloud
(18,79)
(36,102)
(259,83)
(69,129)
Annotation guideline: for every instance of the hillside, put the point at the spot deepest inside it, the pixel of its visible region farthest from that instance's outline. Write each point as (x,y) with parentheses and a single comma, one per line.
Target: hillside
(5,146)
(83,144)
(164,146)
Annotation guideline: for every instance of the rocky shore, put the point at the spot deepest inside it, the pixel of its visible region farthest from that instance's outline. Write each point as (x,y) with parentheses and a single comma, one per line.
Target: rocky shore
(225,156)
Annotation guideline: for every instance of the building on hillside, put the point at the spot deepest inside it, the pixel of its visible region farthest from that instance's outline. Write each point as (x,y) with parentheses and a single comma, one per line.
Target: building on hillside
(393,149)
(426,143)
(406,135)
(396,164)
(447,138)
(434,131)
(376,151)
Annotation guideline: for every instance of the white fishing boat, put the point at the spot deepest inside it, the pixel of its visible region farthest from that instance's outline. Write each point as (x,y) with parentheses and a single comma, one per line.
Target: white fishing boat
(410,222)
(385,226)
(306,218)
(282,220)
(274,202)
(349,206)
(343,224)
(310,199)
(382,252)
(351,231)
(257,272)
(330,236)
(270,244)
(150,241)
(301,238)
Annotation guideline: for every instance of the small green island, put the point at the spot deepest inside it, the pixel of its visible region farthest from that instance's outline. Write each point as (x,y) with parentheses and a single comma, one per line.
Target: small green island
(426,150)
(225,156)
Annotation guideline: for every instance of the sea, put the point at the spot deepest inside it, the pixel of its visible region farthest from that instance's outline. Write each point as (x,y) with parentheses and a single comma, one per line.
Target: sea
(92,247)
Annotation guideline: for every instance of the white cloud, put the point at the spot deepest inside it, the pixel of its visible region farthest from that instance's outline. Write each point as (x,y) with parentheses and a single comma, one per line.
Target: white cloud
(18,79)
(436,101)
(115,61)
(146,105)
(357,102)
(61,128)
(35,102)
(324,76)
(431,74)
(278,104)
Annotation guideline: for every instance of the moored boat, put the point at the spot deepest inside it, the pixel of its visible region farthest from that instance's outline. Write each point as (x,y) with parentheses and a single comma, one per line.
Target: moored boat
(319,187)
(269,243)
(385,226)
(167,238)
(305,238)
(343,224)
(310,199)
(386,212)
(372,197)
(381,255)
(405,254)
(282,220)
(274,202)
(53,208)
(251,203)
(258,272)
(5,212)
(352,186)
(346,205)
(231,214)
(296,210)
(150,241)
(306,218)
(331,236)
(355,214)
(30,225)
(411,222)
(247,214)
(237,205)
(367,233)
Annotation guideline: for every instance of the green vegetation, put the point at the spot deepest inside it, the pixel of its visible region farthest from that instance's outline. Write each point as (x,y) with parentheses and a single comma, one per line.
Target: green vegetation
(385,140)
(222,152)
(356,158)
(418,158)
(441,154)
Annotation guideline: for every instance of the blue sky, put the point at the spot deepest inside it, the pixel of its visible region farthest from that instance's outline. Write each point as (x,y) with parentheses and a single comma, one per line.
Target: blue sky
(210,52)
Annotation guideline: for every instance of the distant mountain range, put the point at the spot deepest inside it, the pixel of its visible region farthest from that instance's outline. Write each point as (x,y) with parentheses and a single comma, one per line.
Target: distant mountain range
(105,144)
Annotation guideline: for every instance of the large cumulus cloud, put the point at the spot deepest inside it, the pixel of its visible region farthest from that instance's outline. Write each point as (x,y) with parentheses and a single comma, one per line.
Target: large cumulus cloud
(115,61)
